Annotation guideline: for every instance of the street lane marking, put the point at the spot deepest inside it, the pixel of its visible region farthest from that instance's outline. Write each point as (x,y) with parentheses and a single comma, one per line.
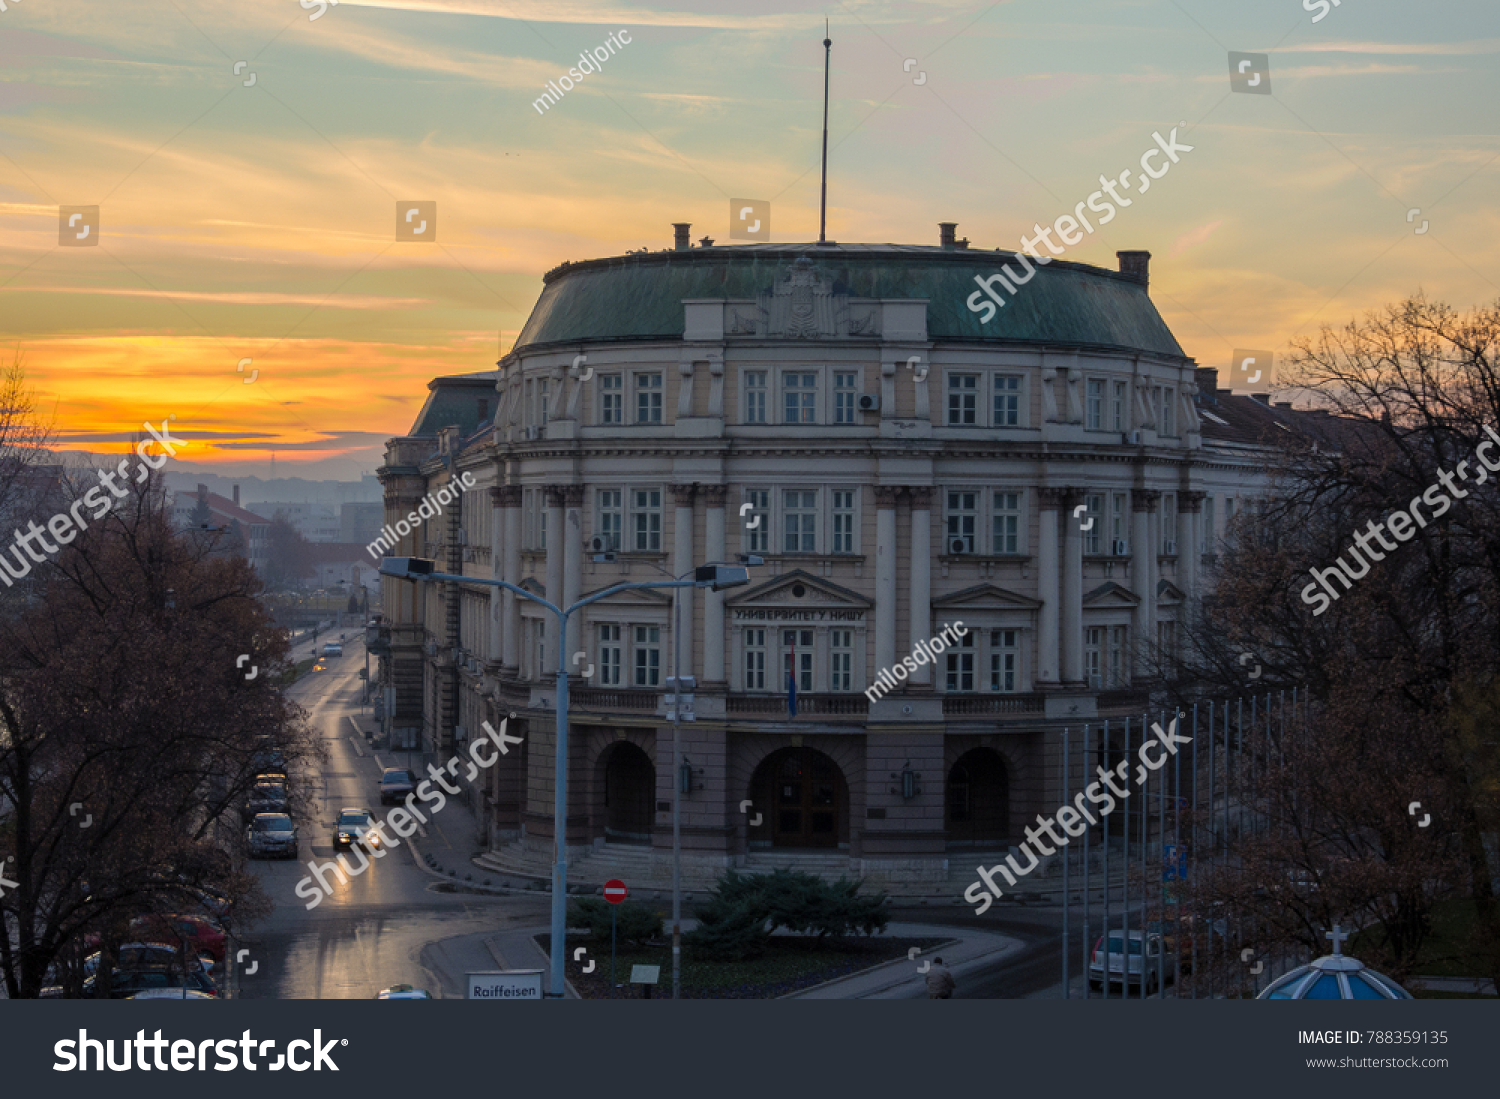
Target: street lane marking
(356,747)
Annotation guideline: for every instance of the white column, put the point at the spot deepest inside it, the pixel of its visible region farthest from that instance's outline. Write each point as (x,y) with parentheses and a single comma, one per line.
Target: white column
(556,500)
(919,587)
(510,610)
(885,577)
(1189,534)
(682,561)
(1143,577)
(714,670)
(572,587)
(497,572)
(1048,588)
(1071,617)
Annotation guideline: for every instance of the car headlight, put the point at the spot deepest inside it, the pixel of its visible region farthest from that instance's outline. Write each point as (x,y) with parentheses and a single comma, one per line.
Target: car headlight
(372,838)
(344,837)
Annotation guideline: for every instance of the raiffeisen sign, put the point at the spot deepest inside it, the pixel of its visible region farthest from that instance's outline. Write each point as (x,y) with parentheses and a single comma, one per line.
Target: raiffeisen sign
(506,984)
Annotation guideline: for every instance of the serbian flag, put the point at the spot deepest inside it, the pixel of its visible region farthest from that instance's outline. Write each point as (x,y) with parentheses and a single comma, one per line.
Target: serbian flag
(791,681)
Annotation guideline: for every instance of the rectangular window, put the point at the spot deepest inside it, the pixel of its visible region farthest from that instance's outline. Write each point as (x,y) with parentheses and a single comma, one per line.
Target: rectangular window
(648,393)
(1007,523)
(611,666)
(843,522)
(541,647)
(962,515)
(1210,539)
(755,397)
(799,394)
(1007,400)
(1004,660)
(758,538)
(1094,407)
(1166,639)
(1119,529)
(1093,538)
(1167,420)
(646,509)
(799,522)
(797,655)
(1228,513)
(1119,670)
(1117,408)
(841,660)
(844,394)
(1095,641)
(541,390)
(961,663)
(609,517)
(647,656)
(1168,523)
(755,660)
(611,399)
(963,400)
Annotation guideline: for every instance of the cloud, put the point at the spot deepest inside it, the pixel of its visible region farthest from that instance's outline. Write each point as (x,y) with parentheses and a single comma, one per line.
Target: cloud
(1194,237)
(1478,45)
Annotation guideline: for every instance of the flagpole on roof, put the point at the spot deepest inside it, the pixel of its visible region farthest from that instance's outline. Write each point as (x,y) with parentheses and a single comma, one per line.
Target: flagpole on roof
(823,200)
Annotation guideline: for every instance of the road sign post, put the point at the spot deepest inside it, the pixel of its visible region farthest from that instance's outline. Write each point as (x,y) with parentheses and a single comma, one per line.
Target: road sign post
(614,893)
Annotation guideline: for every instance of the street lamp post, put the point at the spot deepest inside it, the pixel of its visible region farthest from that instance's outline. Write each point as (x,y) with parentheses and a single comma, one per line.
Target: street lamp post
(717,577)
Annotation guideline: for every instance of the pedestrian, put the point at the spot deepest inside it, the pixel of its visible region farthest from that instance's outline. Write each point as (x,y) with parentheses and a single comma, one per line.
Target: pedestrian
(939,981)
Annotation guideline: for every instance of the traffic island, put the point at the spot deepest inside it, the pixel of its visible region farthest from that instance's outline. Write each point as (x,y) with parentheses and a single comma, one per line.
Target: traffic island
(790,963)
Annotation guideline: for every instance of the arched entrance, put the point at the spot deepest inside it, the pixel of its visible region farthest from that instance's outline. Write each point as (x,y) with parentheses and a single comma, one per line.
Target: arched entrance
(808,799)
(978,800)
(629,791)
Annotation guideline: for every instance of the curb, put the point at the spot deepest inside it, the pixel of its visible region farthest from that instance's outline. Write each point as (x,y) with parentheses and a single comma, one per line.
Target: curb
(944,945)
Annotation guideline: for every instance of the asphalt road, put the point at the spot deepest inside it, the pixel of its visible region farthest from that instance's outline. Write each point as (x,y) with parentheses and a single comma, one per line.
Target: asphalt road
(386,925)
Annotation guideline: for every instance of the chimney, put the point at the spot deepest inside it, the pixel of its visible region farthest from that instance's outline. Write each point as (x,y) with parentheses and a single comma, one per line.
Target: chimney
(1136,265)
(236,495)
(680,229)
(1283,404)
(946,232)
(1208,380)
(203,492)
(1263,398)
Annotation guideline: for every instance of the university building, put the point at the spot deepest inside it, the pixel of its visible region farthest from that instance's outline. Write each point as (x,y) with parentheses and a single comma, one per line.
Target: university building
(1055,480)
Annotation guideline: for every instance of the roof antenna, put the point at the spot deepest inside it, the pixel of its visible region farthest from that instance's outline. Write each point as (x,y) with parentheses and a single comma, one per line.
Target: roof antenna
(823,202)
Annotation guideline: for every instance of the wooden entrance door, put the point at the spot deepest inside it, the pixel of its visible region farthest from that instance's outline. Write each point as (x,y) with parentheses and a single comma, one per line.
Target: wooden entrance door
(807,800)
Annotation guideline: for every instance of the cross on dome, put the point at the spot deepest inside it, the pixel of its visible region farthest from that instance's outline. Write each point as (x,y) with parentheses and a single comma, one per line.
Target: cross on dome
(1338,938)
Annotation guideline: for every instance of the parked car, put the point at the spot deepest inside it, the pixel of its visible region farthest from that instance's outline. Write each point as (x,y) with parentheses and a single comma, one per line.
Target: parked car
(403,992)
(355,826)
(149,955)
(200,935)
(395,784)
(128,983)
(171,994)
(333,648)
(272,834)
(266,797)
(1127,952)
(268,759)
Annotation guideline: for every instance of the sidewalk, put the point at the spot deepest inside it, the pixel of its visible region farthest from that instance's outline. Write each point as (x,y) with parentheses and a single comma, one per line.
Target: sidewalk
(966,952)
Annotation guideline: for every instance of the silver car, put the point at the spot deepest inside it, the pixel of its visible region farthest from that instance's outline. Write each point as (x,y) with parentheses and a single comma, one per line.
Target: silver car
(1127,954)
(271,835)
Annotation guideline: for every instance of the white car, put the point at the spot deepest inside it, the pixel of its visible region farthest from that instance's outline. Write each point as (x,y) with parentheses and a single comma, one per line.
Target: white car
(333,648)
(403,992)
(1127,952)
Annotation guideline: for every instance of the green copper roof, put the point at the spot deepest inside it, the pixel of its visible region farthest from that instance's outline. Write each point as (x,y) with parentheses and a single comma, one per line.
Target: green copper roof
(640,296)
(453,401)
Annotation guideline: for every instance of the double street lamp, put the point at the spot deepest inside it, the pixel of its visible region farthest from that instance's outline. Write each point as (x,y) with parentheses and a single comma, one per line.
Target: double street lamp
(714,577)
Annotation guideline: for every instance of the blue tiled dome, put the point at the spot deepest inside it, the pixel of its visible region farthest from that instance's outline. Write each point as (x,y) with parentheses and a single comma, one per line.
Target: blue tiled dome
(1334,977)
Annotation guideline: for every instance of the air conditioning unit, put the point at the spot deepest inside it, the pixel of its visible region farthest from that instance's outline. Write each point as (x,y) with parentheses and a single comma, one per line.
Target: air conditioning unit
(1095,682)
(533,433)
(463,537)
(602,543)
(430,648)
(868,402)
(958,546)
(460,732)
(1119,547)
(1169,548)
(1133,438)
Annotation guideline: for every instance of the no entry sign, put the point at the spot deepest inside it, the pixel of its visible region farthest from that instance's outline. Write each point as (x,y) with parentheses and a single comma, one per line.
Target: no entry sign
(614,891)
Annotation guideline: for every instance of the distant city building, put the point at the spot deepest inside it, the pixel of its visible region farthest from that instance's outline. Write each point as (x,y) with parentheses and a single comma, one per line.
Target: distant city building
(1058,481)
(226,513)
(315,522)
(361,522)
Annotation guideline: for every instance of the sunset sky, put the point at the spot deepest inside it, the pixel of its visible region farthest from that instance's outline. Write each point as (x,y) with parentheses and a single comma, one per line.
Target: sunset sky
(259,222)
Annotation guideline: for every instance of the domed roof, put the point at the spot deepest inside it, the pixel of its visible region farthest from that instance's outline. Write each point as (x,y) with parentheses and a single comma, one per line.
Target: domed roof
(640,296)
(1334,976)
